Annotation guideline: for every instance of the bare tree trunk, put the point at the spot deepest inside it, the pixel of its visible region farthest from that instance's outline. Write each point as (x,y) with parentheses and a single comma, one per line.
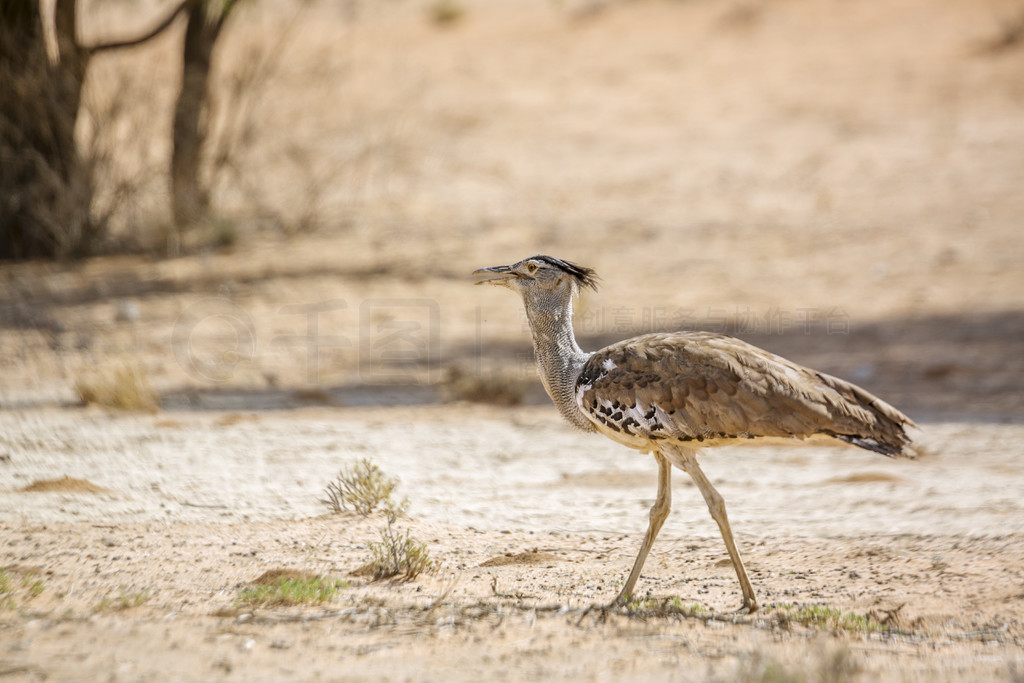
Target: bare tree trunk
(45,190)
(74,59)
(190,198)
(46,187)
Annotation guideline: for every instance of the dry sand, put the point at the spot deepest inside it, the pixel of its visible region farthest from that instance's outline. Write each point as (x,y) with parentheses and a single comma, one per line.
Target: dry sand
(526,540)
(838,182)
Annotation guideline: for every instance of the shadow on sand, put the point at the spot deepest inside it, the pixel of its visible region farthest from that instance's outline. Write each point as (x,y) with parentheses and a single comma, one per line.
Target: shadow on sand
(966,367)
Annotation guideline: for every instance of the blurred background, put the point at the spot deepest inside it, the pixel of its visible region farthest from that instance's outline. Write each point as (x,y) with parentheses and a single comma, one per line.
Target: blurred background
(275,203)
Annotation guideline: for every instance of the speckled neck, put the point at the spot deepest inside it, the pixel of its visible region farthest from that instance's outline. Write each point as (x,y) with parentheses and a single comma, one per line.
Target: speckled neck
(559,358)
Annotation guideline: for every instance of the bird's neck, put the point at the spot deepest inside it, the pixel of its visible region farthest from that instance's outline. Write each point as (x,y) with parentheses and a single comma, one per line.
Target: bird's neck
(559,357)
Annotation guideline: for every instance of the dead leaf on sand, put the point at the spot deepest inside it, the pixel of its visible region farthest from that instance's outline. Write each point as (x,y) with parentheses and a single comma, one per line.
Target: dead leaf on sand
(528,557)
(63,485)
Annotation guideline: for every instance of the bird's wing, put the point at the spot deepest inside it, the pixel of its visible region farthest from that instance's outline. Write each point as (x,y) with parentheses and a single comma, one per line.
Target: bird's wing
(700,385)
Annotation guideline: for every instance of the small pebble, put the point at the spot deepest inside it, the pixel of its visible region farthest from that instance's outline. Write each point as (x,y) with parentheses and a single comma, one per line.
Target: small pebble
(127,312)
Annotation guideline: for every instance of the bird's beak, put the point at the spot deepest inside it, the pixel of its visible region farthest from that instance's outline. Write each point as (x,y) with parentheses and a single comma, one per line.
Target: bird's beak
(504,275)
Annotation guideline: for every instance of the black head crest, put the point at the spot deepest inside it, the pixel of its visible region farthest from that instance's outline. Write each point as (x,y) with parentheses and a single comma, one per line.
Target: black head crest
(585,277)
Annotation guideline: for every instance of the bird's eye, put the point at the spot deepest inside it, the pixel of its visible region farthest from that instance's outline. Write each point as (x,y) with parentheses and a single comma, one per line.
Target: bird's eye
(531,268)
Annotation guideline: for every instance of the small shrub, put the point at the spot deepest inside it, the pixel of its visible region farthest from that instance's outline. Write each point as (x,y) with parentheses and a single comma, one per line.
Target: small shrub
(397,554)
(291,590)
(364,488)
(496,388)
(126,389)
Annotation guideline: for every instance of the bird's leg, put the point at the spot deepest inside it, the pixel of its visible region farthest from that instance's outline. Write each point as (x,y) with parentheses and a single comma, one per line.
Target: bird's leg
(717,507)
(659,513)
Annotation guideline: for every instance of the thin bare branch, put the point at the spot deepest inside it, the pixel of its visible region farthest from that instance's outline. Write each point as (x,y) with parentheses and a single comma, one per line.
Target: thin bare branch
(152,33)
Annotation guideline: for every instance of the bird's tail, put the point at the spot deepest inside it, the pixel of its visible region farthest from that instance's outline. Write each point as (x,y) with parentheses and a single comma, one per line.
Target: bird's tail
(885,429)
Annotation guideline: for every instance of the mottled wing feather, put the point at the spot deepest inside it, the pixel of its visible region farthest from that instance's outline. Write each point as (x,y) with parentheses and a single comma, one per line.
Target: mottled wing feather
(698,385)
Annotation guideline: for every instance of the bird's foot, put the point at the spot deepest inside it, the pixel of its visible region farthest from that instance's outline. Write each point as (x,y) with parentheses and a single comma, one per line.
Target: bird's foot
(619,601)
(749,607)
(624,597)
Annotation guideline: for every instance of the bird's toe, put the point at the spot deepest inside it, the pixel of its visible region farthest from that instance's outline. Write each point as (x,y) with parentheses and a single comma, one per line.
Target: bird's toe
(750,607)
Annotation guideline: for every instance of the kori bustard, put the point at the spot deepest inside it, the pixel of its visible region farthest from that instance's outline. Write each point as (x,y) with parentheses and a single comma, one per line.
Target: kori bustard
(673,394)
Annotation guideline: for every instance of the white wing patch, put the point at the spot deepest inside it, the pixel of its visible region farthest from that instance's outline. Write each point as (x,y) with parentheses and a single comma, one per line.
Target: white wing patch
(608,365)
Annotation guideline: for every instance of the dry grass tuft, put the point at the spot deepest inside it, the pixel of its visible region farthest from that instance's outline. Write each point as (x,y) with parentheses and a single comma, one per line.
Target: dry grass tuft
(397,554)
(445,12)
(126,389)
(123,601)
(494,387)
(18,586)
(823,617)
(272,576)
(648,608)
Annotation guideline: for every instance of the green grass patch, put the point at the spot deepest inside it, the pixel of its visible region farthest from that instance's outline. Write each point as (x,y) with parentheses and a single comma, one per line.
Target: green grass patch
(6,591)
(666,607)
(123,601)
(291,590)
(822,616)
(17,586)
(35,586)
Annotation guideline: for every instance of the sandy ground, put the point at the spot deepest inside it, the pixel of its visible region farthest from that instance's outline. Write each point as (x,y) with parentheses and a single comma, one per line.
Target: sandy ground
(526,540)
(838,182)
